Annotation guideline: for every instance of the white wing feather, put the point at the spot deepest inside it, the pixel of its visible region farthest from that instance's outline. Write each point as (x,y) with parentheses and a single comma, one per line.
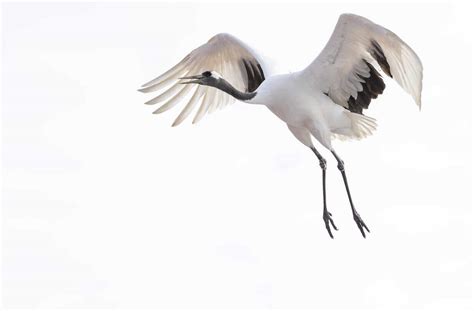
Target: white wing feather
(340,66)
(223,53)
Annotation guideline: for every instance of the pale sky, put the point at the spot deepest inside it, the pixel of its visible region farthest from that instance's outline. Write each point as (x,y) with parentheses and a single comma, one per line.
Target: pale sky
(105,205)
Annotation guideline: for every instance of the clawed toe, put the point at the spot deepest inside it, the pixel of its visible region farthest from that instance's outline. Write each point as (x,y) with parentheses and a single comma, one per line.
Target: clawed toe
(360,224)
(327,217)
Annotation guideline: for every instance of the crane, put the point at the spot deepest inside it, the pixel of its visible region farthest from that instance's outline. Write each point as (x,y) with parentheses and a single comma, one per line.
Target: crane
(325,100)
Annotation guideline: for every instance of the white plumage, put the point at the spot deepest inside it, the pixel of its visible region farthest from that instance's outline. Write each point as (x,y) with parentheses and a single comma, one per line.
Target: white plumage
(325,100)
(223,54)
(336,67)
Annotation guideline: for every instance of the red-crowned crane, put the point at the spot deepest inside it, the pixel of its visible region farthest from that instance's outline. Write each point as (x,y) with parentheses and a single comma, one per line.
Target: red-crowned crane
(325,100)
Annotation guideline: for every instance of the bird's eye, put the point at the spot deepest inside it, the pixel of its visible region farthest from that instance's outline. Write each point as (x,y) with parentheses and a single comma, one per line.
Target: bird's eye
(206,74)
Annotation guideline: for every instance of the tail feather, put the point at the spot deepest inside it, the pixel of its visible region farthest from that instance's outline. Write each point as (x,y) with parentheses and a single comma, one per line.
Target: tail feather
(361,127)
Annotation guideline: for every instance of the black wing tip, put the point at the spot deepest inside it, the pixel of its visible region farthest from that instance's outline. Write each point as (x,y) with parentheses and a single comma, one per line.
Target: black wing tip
(371,88)
(254,72)
(378,54)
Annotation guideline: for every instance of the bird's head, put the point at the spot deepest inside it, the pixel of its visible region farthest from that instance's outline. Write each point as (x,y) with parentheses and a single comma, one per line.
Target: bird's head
(210,78)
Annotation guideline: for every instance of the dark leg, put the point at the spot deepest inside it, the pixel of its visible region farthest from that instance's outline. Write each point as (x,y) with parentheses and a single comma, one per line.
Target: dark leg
(326,215)
(360,223)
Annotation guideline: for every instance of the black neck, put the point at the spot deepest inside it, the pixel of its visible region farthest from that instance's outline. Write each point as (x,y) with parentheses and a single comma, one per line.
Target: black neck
(229,89)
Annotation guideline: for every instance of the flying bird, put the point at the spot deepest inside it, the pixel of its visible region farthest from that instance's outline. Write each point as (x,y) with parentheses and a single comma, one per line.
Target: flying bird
(325,100)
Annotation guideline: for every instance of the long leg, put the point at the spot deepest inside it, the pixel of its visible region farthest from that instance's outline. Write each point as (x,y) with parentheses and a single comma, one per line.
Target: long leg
(360,223)
(304,136)
(327,216)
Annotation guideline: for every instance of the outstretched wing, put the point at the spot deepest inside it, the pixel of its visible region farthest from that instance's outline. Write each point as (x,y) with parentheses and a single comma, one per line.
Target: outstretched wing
(224,54)
(346,68)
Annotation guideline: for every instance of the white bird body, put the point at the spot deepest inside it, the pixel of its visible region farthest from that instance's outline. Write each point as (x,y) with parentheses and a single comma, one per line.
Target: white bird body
(325,100)
(309,110)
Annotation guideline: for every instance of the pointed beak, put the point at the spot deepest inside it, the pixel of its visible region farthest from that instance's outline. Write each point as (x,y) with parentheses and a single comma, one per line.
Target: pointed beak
(192,79)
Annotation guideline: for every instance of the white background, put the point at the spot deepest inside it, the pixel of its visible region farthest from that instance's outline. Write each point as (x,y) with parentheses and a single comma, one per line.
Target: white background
(106,205)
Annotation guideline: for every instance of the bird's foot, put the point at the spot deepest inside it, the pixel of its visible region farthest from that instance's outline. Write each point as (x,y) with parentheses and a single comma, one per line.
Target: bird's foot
(360,223)
(327,217)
